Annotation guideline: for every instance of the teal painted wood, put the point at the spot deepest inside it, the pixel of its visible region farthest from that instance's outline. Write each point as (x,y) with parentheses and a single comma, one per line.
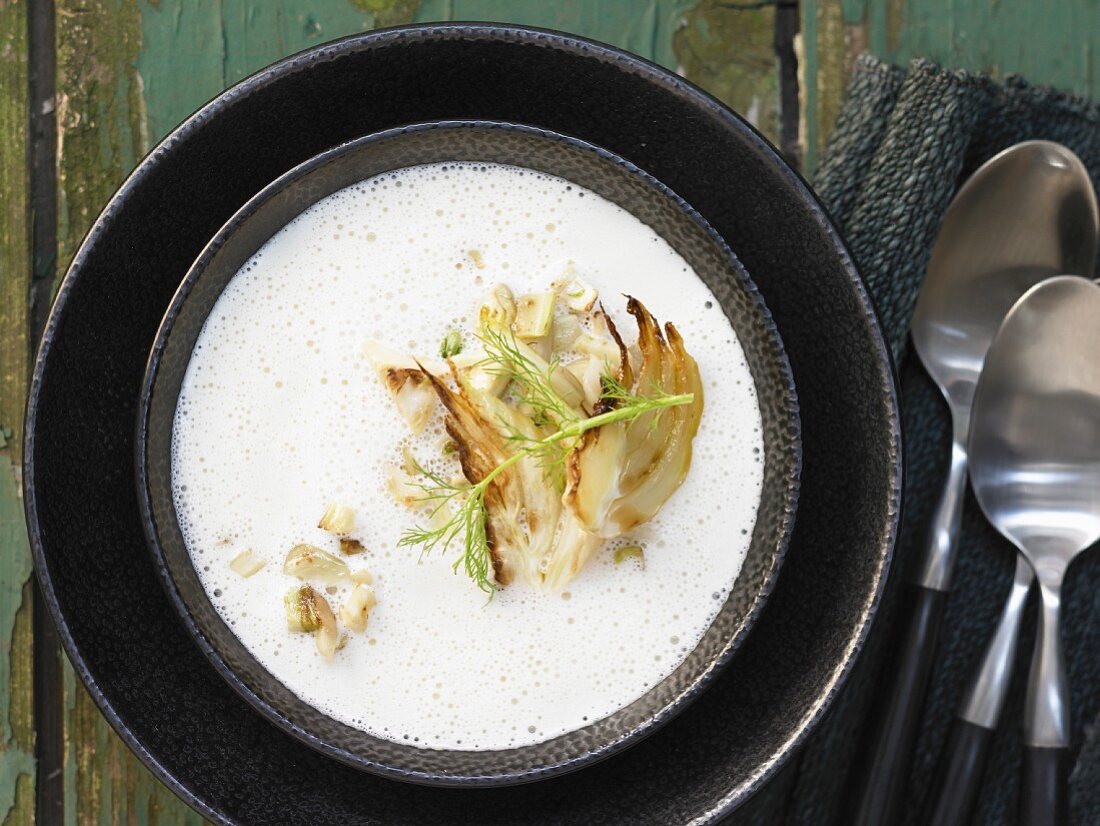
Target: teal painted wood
(193,49)
(1053,43)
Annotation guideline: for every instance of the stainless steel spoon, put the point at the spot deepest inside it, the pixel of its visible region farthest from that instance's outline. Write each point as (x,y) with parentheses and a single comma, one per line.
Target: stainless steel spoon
(953,791)
(1026,214)
(1035,470)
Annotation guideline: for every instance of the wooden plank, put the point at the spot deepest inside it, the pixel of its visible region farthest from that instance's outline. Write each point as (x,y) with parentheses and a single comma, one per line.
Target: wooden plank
(725,47)
(835,32)
(1052,44)
(16,645)
(1049,43)
(104,126)
(728,48)
(101,133)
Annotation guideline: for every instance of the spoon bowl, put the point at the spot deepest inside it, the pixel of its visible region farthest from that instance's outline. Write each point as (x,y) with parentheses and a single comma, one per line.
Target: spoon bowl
(994,245)
(1035,469)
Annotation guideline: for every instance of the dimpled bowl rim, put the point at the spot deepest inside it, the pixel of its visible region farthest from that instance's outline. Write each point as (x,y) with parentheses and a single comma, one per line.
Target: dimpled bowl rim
(278,204)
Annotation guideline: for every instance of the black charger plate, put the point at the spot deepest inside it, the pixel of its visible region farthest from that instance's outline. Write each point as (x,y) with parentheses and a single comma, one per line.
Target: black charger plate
(125,641)
(619,182)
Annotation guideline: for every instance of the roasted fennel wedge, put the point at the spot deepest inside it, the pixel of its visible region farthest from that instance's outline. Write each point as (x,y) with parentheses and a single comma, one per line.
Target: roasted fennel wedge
(558,449)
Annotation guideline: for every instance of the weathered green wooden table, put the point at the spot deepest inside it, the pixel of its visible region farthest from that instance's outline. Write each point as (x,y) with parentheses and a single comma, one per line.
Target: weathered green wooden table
(88,86)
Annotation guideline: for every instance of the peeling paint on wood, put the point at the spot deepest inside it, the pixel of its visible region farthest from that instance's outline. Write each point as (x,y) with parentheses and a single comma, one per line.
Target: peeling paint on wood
(99,115)
(645,27)
(194,49)
(389,12)
(102,132)
(16,645)
(1051,44)
(829,47)
(729,50)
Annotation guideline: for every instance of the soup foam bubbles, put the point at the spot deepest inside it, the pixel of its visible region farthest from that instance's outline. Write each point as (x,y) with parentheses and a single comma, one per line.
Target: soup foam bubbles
(280,414)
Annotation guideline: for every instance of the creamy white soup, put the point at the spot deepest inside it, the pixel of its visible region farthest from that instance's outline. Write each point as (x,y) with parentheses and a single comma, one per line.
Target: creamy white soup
(281,413)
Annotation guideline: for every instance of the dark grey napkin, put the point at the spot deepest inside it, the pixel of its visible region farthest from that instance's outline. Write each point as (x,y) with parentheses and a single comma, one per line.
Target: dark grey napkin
(903,142)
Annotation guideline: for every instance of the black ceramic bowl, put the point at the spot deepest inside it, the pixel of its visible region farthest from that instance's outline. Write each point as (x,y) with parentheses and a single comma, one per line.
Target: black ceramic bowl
(98,580)
(583,164)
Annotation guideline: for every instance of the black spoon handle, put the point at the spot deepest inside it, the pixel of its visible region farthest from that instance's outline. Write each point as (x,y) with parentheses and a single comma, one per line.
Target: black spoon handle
(878,784)
(1045,789)
(954,789)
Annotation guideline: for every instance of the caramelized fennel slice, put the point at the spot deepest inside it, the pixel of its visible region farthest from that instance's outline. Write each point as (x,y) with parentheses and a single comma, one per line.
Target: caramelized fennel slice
(540,501)
(573,547)
(622,371)
(562,381)
(480,449)
(644,492)
(647,438)
(606,356)
(619,475)
(403,376)
(648,488)
(565,458)
(592,475)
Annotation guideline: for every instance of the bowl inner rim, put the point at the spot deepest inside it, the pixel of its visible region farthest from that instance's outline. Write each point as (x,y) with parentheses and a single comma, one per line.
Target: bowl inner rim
(156,519)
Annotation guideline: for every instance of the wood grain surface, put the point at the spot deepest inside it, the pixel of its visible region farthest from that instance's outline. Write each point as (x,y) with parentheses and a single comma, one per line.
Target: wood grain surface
(114,76)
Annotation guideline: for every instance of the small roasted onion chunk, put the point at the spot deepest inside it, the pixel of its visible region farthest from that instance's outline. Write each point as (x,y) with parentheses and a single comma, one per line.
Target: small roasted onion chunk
(309,612)
(302,609)
(246,564)
(338,519)
(350,547)
(356,611)
(308,562)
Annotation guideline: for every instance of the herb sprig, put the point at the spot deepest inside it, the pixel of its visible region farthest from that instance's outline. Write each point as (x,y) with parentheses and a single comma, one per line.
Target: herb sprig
(505,356)
(469,520)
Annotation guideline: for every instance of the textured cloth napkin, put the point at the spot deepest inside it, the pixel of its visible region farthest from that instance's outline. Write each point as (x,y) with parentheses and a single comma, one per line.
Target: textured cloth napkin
(904,141)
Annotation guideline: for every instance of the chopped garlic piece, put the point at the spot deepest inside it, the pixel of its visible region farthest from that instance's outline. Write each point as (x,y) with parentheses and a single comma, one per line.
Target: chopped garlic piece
(246,564)
(477,258)
(403,486)
(338,519)
(310,562)
(598,346)
(362,577)
(566,331)
(497,309)
(356,611)
(534,315)
(579,296)
(327,637)
(301,606)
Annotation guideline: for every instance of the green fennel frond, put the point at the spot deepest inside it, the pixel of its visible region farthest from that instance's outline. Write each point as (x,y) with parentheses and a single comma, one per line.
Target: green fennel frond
(535,387)
(550,455)
(635,405)
(469,517)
